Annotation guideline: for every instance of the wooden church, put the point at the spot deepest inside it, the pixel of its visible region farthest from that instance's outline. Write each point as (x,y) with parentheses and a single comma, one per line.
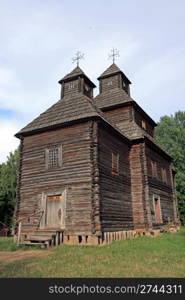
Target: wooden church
(90,170)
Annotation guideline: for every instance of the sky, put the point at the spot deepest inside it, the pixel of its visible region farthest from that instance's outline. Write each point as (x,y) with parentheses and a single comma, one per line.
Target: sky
(39,38)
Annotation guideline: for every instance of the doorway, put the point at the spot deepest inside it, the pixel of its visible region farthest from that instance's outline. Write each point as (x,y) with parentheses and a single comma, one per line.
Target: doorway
(55,211)
(157,209)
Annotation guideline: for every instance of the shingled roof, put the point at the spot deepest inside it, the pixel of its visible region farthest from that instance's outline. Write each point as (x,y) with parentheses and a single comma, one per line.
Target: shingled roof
(112,70)
(112,97)
(75,73)
(69,108)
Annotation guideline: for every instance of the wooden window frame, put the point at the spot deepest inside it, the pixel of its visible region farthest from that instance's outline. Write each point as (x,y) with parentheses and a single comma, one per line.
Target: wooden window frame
(70,86)
(53,160)
(115,163)
(154,169)
(143,124)
(87,90)
(160,212)
(164,174)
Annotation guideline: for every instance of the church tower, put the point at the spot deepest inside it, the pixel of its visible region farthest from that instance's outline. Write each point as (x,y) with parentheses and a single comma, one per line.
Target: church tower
(76,82)
(114,78)
(115,101)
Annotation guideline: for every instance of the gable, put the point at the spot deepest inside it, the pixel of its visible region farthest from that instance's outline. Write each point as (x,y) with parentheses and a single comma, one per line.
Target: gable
(70,108)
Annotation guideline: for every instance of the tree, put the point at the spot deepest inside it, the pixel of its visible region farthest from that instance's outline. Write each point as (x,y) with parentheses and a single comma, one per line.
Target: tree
(170,134)
(8,180)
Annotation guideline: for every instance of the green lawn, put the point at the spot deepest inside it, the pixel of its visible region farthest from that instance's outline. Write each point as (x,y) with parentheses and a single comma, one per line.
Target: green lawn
(162,256)
(6,244)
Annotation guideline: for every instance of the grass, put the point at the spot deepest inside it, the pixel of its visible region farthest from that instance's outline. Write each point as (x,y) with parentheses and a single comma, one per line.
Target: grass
(7,244)
(162,256)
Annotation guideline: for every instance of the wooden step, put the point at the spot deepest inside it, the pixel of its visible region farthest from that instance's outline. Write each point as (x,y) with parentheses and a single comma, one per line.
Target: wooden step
(44,237)
(38,238)
(48,230)
(41,234)
(29,243)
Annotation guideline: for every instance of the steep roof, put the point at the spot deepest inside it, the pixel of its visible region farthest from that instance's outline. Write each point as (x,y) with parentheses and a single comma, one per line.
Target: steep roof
(112,70)
(75,73)
(112,97)
(69,108)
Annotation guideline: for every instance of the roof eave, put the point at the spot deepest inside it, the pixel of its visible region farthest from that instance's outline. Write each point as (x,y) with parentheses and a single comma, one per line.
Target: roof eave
(60,125)
(50,127)
(76,77)
(115,73)
(152,145)
(144,113)
(130,103)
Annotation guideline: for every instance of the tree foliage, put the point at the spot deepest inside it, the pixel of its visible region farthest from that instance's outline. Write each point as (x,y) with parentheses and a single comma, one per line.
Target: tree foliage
(8,180)
(170,134)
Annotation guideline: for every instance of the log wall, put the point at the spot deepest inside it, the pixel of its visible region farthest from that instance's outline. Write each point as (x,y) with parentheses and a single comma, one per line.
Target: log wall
(139,187)
(107,84)
(116,207)
(129,121)
(123,118)
(75,175)
(139,118)
(157,186)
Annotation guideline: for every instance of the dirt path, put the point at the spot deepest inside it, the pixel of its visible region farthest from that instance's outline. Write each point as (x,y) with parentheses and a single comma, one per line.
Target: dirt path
(9,256)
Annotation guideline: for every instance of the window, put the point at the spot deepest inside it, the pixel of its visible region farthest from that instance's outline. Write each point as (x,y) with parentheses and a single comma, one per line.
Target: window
(53,160)
(115,163)
(86,87)
(143,124)
(109,83)
(154,168)
(164,175)
(53,157)
(124,85)
(70,86)
(87,90)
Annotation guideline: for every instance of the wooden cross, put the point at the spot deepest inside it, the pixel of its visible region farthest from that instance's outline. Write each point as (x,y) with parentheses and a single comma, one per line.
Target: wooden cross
(77,57)
(114,54)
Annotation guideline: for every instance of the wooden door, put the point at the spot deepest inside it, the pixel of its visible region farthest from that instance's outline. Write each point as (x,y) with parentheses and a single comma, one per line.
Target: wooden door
(157,210)
(55,211)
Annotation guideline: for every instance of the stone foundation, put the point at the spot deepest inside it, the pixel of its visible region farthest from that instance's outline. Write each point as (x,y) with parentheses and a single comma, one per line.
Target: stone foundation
(107,237)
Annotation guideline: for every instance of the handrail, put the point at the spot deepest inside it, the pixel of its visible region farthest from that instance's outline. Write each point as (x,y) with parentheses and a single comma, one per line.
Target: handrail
(32,215)
(19,222)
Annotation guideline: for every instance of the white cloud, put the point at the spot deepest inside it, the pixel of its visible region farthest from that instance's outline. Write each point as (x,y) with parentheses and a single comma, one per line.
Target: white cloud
(162,72)
(7,77)
(96,60)
(39,39)
(159,84)
(8,141)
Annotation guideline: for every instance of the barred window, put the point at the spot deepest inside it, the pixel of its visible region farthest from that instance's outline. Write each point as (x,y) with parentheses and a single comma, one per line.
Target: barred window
(53,157)
(115,163)
(70,86)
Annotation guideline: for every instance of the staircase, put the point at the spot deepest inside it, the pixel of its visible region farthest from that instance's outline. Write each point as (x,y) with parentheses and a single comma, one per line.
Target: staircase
(44,238)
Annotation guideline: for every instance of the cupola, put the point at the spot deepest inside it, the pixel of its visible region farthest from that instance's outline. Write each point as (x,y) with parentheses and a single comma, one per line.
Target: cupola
(76,82)
(113,78)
